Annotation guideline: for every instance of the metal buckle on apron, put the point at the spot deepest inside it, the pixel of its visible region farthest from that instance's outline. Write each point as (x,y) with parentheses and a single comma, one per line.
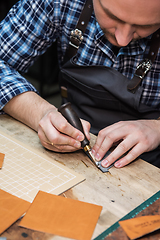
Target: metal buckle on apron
(143,68)
(76,38)
(141,71)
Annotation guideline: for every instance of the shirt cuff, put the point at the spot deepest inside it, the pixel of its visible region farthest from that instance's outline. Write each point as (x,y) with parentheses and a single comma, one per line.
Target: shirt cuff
(13,86)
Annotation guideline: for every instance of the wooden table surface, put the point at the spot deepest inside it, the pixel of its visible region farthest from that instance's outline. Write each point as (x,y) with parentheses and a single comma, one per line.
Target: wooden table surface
(119,191)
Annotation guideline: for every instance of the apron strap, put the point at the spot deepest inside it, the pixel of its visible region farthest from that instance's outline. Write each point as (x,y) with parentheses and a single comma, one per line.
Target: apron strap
(77,37)
(77,34)
(146,64)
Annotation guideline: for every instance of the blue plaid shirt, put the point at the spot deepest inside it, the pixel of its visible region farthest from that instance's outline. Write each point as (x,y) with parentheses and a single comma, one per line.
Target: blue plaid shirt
(32,26)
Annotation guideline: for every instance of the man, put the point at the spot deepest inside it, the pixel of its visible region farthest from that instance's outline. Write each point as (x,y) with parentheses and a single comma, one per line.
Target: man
(116,36)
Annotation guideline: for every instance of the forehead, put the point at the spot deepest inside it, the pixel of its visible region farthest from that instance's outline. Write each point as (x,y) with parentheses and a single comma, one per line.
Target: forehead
(134,11)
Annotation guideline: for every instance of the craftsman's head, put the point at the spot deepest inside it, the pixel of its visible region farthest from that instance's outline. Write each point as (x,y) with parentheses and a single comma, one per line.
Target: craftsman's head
(125,20)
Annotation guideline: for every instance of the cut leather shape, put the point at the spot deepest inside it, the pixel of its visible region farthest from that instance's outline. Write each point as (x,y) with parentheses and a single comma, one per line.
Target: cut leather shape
(61,216)
(11,209)
(139,226)
(1,159)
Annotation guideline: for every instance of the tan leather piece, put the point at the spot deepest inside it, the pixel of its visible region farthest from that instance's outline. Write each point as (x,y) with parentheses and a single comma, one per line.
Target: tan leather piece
(11,209)
(140,226)
(62,216)
(2,155)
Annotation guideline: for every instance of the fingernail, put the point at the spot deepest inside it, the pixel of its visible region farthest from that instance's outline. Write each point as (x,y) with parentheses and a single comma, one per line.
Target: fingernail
(97,157)
(93,151)
(105,163)
(117,164)
(77,144)
(79,138)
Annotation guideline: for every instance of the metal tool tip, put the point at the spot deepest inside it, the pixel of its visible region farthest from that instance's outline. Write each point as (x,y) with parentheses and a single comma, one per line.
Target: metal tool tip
(91,155)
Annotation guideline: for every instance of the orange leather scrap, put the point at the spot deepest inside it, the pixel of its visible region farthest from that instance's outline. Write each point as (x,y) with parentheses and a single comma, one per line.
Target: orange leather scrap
(61,216)
(140,226)
(1,159)
(11,209)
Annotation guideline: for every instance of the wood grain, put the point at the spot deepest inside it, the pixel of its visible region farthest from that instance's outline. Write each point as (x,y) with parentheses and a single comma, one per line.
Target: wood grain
(119,191)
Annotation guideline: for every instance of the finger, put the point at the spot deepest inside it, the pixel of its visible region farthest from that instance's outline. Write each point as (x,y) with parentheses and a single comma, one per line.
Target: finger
(62,125)
(86,127)
(100,146)
(59,148)
(104,133)
(119,151)
(56,147)
(51,135)
(133,154)
(106,141)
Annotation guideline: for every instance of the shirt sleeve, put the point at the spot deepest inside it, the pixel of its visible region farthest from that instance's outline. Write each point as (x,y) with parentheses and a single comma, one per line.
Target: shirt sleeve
(25,33)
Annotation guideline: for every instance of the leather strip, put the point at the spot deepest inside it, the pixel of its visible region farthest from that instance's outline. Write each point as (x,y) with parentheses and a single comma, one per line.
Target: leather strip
(140,72)
(81,25)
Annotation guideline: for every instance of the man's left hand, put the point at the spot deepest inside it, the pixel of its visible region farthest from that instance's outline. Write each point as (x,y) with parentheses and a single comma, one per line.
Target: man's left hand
(135,137)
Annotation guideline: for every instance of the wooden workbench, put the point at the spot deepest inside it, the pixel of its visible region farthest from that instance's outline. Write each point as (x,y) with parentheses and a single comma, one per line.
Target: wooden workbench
(119,191)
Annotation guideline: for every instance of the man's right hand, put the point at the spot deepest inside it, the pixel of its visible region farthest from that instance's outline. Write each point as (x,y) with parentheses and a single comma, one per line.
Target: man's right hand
(54,131)
(58,135)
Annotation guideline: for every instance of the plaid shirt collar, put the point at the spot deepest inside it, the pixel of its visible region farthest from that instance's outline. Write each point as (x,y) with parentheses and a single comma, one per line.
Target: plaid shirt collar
(134,47)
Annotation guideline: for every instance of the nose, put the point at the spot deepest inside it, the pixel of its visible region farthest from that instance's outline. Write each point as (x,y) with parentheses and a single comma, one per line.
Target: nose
(124,34)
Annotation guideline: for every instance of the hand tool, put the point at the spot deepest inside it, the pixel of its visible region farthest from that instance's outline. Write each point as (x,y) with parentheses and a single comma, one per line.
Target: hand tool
(71,116)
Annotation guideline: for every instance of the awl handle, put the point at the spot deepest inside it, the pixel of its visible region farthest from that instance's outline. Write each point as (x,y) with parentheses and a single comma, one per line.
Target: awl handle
(71,116)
